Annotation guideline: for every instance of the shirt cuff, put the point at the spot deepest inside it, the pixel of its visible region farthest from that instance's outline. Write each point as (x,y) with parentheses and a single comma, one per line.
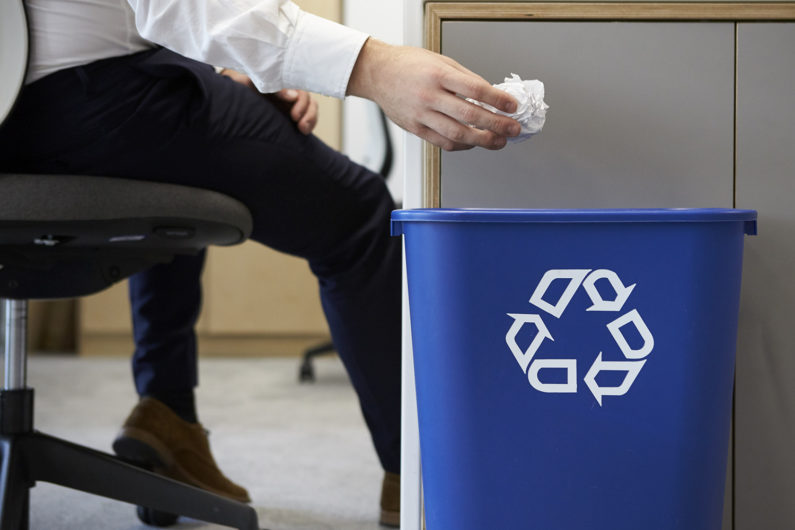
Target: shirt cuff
(321,55)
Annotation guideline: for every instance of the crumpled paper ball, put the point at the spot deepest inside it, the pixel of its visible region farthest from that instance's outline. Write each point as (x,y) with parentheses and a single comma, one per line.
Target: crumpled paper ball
(531,111)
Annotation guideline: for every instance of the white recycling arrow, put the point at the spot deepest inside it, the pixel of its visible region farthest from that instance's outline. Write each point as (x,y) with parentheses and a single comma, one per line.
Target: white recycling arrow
(599,303)
(633,317)
(575,277)
(569,387)
(632,368)
(519,320)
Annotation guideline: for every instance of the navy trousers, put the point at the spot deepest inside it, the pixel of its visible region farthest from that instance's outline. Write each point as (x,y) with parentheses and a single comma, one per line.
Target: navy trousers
(158,116)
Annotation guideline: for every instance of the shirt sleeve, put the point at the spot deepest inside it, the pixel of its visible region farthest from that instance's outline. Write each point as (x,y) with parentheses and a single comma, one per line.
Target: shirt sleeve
(273,41)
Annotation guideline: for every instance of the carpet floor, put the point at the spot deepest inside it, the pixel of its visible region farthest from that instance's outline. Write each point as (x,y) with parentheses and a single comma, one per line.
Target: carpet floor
(302,450)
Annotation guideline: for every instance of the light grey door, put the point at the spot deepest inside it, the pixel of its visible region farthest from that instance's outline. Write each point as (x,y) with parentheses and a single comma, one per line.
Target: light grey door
(765,392)
(641,115)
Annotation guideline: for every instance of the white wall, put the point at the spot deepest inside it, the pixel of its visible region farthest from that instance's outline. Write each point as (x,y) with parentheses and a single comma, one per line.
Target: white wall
(396,22)
(361,139)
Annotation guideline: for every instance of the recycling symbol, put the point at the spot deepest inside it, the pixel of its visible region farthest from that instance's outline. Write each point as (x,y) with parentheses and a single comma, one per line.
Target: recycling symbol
(634,357)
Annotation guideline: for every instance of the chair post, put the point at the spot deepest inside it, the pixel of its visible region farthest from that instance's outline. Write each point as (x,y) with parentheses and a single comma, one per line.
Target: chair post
(16,400)
(16,324)
(16,420)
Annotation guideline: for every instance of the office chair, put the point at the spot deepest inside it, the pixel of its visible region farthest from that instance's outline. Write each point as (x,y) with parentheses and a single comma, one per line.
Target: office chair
(68,236)
(306,371)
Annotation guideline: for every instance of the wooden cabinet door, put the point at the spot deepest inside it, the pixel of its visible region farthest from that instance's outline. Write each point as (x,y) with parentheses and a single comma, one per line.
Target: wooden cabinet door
(253,290)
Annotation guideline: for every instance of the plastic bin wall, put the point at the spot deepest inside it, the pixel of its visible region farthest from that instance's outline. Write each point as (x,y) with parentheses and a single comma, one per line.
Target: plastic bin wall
(574,369)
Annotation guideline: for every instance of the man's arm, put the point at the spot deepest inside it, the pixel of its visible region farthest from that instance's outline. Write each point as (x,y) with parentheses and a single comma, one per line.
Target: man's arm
(279,46)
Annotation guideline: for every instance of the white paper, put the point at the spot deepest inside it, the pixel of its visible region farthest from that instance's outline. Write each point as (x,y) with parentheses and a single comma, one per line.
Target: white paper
(531,111)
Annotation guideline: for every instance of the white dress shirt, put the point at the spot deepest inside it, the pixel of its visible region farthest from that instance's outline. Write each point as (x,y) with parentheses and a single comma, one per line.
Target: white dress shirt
(273,41)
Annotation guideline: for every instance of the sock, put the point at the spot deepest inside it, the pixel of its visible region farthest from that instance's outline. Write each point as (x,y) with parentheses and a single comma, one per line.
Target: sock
(182,403)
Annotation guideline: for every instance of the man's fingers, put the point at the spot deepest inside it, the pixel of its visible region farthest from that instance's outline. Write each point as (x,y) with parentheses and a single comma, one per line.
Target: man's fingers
(479,90)
(300,106)
(428,134)
(471,114)
(288,94)
(458,133)
(307,123)
(237,77)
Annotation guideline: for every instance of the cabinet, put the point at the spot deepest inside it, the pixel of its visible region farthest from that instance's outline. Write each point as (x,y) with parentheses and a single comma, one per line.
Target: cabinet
(765,395)
(256,301)
(651,105)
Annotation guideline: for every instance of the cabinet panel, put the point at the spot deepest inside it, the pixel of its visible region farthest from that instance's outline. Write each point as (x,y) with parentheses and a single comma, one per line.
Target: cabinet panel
(641,115)
(765,412)
(252,290)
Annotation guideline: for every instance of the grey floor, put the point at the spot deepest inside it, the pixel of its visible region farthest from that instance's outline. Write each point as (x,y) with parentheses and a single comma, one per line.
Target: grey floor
(302,451)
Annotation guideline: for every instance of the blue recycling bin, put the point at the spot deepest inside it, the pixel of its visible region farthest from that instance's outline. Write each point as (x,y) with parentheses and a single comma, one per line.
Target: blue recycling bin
(574,368)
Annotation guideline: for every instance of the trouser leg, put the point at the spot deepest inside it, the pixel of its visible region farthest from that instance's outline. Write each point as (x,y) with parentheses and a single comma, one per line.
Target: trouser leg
(165,302)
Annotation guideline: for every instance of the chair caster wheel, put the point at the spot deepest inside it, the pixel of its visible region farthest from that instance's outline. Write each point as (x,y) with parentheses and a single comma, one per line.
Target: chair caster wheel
(306,374)
(154,517)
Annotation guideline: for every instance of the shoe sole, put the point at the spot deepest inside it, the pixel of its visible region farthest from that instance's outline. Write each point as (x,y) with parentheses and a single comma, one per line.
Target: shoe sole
(144,450)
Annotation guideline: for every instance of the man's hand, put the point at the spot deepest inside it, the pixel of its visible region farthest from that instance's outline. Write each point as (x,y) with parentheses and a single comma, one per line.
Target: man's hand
(300,106)
(297,103)
(424,92)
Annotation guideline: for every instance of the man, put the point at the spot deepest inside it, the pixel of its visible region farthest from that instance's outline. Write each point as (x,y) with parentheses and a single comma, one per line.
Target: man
(102,99)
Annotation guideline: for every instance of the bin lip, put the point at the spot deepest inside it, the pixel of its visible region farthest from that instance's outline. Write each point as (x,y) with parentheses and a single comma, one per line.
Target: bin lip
(602,215)
(612,215)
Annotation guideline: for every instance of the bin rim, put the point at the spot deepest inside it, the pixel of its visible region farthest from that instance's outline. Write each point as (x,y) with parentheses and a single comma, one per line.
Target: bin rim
(596,215)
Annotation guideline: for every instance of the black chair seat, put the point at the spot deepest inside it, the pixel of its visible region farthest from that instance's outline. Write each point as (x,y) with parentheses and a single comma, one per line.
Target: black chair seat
(67,236)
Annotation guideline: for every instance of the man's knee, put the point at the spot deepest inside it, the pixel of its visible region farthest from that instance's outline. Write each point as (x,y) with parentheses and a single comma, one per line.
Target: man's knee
(366,244)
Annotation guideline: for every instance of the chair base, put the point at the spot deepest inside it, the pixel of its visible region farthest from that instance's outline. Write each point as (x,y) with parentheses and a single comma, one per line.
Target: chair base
(28,457)
(306,372)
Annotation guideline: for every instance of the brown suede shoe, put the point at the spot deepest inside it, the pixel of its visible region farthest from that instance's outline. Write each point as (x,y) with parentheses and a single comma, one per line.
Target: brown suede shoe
(390,500)
(155,437)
